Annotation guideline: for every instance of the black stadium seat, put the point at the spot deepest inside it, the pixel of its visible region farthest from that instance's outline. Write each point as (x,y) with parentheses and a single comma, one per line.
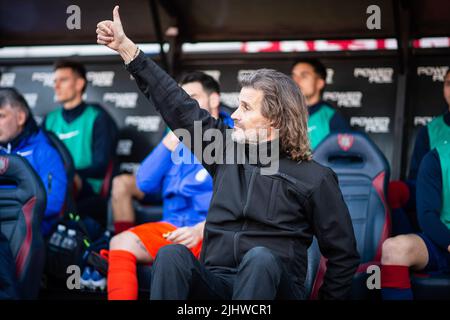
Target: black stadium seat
(148,212)
(430,286)
(23,201)
(363,174)
(314,267)
(107,180)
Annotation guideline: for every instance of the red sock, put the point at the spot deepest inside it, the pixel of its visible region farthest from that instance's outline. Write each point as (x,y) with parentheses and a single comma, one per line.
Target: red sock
(122,277)
(395,277)
(121,226)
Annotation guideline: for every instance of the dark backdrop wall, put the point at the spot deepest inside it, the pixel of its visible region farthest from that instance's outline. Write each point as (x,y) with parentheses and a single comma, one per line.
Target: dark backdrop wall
(363,88)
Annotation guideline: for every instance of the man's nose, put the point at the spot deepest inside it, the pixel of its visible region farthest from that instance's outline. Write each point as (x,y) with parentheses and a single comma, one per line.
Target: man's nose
(235,115)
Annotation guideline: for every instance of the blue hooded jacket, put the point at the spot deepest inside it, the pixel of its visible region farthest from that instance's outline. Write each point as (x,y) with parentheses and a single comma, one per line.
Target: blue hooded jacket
(185,185)
(33,145)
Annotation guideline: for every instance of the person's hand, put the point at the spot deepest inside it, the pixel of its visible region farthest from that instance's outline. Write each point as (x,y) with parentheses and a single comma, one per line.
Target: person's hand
(188,236)
(448,248)
(171,141)
(111,34)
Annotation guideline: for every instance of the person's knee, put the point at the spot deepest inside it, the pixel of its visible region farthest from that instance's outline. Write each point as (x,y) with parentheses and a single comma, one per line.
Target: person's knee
(122,241)
(398,251)
(173,253)
(121,186)
(261,257)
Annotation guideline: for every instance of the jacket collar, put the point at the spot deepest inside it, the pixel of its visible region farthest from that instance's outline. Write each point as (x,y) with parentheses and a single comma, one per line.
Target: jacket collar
(260,154)
(447,118)
(315,107)
(71,114)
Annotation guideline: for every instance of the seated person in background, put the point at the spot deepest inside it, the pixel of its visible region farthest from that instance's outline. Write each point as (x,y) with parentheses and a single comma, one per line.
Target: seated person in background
(19,134)
(428,251)
(206,91)
(433,134)
(186,190)
(403,195)
(89,133)
(310,76)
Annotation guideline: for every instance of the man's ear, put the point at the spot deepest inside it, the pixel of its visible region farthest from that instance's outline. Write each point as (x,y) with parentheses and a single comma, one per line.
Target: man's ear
(214,100)
(320,84)
(79,83)
(21,118)
(274,132)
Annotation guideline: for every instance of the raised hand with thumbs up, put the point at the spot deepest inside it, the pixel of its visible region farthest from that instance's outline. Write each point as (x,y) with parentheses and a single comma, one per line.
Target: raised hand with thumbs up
(111,34)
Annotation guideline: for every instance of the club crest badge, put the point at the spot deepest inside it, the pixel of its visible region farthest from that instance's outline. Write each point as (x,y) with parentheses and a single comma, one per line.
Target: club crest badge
(345,141)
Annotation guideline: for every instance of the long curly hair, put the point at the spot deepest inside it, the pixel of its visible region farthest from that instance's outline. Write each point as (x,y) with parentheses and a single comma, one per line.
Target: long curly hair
(285,107)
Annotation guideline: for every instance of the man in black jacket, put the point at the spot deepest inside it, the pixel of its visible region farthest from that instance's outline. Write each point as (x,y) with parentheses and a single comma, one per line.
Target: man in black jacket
(259,226)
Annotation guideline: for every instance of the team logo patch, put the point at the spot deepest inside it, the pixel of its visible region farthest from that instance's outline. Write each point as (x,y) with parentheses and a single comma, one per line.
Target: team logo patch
(345,141)
(3,165)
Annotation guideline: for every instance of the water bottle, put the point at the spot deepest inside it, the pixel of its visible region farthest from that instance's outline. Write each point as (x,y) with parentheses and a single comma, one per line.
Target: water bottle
(58,235)
(73,241)
(69,241)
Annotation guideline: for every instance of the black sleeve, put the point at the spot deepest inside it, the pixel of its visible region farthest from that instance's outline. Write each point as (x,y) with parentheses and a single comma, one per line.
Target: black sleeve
(429,200)
(339,123)
(177,108)
(334,231)
(104,143)
(421,148)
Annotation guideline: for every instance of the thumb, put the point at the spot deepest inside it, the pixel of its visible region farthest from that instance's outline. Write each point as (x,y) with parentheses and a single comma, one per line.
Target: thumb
(116,16)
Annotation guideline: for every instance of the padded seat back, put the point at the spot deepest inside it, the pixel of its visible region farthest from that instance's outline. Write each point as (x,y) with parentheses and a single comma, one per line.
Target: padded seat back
(363,174)
(22,206)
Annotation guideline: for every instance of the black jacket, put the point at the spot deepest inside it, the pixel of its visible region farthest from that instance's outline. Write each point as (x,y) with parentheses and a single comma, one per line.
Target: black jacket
(281,212)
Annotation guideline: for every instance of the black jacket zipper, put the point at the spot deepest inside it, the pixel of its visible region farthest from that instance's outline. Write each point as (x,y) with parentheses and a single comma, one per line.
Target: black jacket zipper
(244,226)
